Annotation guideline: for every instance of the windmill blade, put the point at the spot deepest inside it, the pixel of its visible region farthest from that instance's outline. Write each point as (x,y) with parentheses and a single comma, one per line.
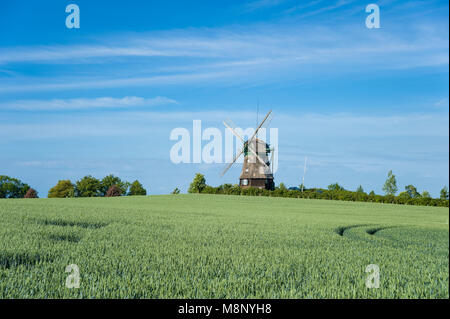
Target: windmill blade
(229,125)
(268,121)
(259,126)
(265,127)
(232,162)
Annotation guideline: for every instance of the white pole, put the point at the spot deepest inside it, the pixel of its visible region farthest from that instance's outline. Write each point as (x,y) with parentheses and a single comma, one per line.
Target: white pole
(304,172)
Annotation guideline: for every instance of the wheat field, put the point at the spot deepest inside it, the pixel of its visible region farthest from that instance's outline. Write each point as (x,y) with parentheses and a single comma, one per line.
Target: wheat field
(218,246)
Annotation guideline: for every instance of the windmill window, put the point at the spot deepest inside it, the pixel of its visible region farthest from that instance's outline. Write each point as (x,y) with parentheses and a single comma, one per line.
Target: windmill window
(245,182)
(246,170)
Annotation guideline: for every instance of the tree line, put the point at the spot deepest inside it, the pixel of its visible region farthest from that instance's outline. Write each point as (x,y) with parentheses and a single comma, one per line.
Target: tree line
(87,186)
(333,192)
(111,185)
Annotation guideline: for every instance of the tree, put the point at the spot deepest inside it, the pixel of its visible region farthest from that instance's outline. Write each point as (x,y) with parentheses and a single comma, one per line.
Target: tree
(426,194)
(88,186)
(282,187)
(404,195)
(412,191)
(12,187)
(63,189)
(198,184)
(360,189)
(136,189)
(113,191)
(444,193)
(335,187)
(31,193)
(111,180)
(176,191)
(390,186)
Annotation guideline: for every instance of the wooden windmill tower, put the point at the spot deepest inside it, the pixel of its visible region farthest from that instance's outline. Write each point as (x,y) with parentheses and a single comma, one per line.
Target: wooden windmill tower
(256,169)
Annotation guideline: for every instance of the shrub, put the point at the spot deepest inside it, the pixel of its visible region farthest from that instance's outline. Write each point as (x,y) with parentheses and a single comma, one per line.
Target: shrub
(176,191)
(444,193)
(198,184)
(313,193)
(63,189)
(88,186)
(390,186)
(31,193)
(426,194)
(412,191)
(12,187)
(209,190)
(403,198)
(113,191)
(108,181)
(335,187)
(137,189)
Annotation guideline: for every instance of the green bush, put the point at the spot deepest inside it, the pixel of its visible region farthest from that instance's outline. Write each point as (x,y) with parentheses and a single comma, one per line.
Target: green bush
(444,193)
(390,186)
(338,193)
(111,180)
(63,189)
(198,184)
(88,186)
(335,187)
(136,189)
(12,187)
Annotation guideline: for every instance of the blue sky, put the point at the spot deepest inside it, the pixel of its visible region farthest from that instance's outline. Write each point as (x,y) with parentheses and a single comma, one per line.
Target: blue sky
(104,98)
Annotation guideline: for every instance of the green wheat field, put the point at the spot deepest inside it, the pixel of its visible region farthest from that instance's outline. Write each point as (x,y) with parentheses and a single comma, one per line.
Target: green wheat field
(217,246)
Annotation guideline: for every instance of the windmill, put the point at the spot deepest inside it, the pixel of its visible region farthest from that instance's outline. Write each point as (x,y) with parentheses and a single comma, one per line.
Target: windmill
(257,169)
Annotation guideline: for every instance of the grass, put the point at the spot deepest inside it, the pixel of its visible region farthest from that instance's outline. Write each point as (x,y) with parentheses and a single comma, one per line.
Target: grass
(207,246)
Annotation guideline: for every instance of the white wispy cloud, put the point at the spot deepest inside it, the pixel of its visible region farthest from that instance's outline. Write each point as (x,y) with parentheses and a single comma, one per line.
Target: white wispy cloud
(338,4)
(233,53)
(442,102)
(85,103)
(266,41)
(262,4)
(303,6)
(53,54)
(86,83)
(318,126)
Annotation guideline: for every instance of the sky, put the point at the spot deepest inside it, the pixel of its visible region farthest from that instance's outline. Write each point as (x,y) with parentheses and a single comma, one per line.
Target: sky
(104,98)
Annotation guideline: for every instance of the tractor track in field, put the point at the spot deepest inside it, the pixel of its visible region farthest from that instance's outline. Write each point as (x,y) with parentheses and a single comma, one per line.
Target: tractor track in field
(65,237)
(371,231)
(72,236)
(341,229)
(10,260)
